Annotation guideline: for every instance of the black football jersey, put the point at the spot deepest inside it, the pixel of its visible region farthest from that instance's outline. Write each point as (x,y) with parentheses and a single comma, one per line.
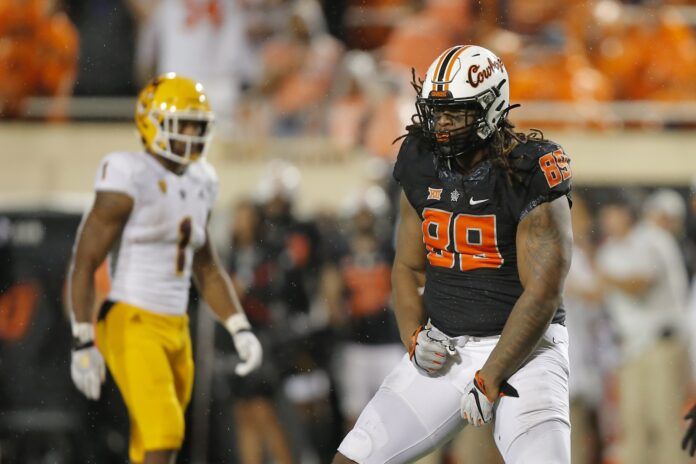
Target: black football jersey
(470,227)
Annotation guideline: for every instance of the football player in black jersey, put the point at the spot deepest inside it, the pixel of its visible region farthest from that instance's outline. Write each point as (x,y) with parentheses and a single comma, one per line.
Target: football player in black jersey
(485,229)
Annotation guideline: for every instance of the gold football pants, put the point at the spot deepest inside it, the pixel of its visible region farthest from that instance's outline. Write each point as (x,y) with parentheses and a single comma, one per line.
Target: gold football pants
(149,356)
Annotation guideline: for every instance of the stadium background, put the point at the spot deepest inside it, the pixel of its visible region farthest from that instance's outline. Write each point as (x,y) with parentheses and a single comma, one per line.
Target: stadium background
(309,97)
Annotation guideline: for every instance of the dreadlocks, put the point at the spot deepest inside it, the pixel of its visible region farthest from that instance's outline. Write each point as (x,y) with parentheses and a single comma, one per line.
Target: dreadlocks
(503,141)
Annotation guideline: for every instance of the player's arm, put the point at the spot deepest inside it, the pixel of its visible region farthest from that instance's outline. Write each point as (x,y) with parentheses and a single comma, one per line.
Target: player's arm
(214,284)
(216,289)
(408,277)
(96,237)
(408,272)
(331,290)
(544,247)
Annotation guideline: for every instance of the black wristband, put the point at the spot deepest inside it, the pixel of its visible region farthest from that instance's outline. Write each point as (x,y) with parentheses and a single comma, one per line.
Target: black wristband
(78,345)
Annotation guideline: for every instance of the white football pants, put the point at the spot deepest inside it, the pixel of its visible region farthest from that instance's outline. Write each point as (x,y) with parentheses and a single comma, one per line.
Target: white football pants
(413,413)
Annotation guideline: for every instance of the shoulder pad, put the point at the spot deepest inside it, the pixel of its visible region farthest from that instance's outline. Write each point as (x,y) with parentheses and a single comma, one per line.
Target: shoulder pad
(126,160)
(547,173)
(413,152)
(205,171)
(525,156)
(120,171)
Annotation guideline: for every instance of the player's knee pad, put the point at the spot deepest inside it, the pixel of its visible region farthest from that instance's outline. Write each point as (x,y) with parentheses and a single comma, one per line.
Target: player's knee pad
(357,445)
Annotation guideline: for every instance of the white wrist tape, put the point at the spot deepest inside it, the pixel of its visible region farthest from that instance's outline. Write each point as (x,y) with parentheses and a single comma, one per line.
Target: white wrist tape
(237,322)
(83,331)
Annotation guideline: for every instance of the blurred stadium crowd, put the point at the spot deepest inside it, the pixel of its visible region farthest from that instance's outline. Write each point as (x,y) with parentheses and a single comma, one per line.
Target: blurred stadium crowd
(342,68)
(317,289)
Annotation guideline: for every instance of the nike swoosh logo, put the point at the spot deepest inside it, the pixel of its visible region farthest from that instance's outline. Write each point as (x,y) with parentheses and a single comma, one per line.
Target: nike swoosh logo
(473,202)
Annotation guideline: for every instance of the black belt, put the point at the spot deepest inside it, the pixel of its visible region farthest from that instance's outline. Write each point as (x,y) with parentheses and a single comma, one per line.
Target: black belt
(104,309)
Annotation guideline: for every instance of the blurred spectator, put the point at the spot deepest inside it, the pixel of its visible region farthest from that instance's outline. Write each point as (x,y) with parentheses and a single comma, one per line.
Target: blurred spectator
(539,20)
(107,47)
(38,56)
(357,289)
(391,113)
(294,244)
(567,77)
(645,290)
(334,11)
(6,263)
(649,52)
(205,40)
(368,23)
(298,68)
(666,209)
(257,425)
(370,106)
(264,19)
(437,26)
(303,346)
(691,262)
(583,317)
(351,103)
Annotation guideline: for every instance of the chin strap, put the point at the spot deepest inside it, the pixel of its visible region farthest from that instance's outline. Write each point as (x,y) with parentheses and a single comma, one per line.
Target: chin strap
(504,113)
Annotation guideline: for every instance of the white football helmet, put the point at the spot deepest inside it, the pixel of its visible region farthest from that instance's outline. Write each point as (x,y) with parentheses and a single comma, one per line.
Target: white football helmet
(464,77)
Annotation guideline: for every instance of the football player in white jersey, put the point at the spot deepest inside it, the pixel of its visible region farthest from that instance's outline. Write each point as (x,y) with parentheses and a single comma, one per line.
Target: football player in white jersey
(158,204)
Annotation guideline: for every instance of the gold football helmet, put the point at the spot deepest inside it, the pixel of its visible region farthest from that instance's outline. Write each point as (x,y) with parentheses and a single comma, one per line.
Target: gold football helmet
(167,105)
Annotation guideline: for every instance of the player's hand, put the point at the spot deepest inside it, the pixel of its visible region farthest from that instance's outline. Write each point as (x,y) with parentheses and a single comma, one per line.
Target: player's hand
(426,352)
(475,406)
(689,440)
(87,367)
(249,350)
(245,342)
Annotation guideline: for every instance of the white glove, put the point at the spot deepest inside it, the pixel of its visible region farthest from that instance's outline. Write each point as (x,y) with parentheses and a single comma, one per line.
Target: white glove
(87,367)
(245,342)
(427,352)
(475,406)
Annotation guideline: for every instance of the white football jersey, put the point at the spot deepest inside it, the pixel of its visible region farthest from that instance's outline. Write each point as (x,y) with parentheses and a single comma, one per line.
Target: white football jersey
(166,226)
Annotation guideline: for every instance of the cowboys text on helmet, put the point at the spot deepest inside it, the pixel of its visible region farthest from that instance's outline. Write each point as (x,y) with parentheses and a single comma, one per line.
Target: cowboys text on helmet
(476,77)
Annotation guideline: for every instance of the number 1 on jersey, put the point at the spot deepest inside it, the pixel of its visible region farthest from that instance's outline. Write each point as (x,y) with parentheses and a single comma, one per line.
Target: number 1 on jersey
(184,239)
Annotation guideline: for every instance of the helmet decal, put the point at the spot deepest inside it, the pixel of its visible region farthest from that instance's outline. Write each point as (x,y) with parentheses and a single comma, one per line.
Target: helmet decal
(476,77)
(443,73)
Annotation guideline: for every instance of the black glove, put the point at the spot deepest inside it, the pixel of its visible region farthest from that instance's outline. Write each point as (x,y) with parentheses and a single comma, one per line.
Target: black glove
(689,440)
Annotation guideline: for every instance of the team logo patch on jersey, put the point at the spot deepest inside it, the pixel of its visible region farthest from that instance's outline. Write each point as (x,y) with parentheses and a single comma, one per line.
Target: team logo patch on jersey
(162,185)
(454,196)
(434,194)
